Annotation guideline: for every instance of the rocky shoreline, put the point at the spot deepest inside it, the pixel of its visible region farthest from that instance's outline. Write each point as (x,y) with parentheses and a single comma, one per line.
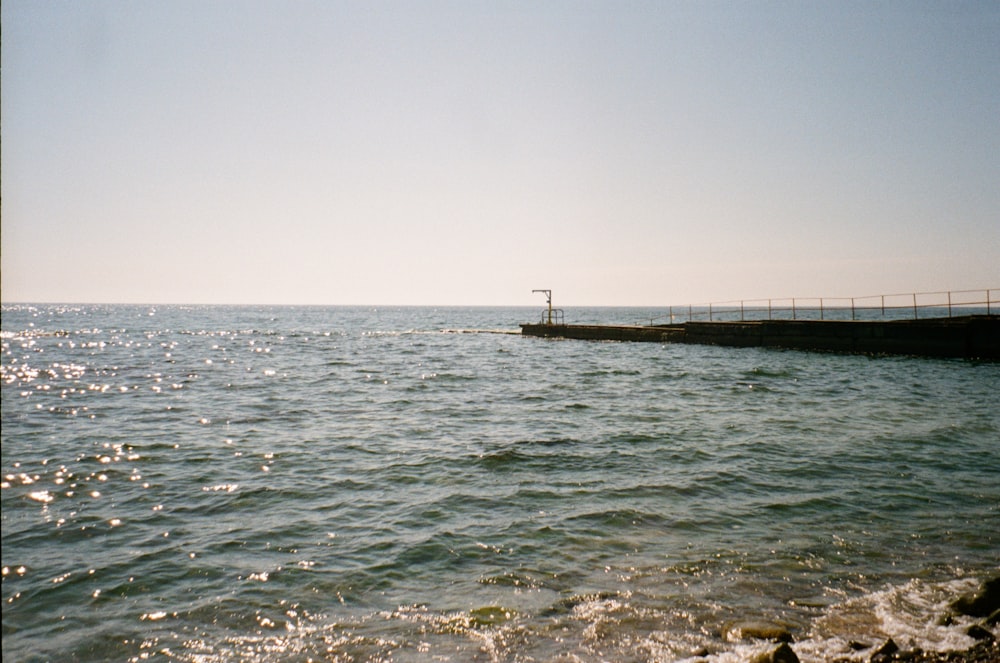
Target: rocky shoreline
(984,605)
(983,652)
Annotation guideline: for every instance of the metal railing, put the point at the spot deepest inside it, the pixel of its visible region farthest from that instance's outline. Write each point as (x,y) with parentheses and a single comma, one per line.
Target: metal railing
(556,314)
(945,304)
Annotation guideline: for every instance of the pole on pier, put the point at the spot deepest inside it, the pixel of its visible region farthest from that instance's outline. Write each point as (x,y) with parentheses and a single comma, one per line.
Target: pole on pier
(548,300)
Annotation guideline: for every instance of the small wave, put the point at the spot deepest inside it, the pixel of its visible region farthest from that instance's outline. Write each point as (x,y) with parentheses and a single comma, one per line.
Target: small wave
(516,332)
(549,442)
(762,372)
(521,580)
(621,518)
(528,452)
(504,459)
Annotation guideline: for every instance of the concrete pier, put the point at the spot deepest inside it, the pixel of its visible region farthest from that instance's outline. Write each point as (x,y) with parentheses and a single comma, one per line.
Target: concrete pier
(972,337)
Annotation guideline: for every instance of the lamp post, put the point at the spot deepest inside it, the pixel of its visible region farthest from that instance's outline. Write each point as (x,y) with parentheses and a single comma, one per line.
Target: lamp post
(548,300)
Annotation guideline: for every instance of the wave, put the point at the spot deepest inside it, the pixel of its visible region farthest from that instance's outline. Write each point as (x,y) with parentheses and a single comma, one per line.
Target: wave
(582,626)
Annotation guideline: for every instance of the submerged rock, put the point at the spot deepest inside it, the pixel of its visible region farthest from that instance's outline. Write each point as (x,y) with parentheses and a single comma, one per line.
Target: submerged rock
(568,604)
(977,632)
(981,604)
(490,615)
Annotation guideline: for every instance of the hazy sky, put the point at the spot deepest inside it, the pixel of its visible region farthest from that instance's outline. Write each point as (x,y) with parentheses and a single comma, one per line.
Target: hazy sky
(423,152)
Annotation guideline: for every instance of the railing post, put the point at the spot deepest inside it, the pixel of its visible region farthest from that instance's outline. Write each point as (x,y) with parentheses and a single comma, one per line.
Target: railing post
(793,308)
(671,315)
(914,306)
(949,303)
(709,312)
(852,308)
(883,306)
(690,314)
(988,299)
(742,319)
(820,308)
(769,309)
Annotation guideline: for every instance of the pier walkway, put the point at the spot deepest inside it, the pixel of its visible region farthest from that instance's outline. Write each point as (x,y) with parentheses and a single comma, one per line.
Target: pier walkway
(971,337)
(968,335)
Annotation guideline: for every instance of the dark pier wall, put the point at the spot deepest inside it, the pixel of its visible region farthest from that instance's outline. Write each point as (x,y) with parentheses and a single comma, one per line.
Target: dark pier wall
(971,336)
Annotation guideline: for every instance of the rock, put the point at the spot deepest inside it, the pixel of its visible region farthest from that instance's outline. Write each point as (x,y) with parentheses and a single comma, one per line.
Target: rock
(759,631)
(981,604)
(858,646)
(890,651)
(977,632)
(993,619)
(885,652)
(783,653)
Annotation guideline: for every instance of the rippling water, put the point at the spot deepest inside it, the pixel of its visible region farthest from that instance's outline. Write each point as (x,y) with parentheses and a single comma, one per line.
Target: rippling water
(227,483)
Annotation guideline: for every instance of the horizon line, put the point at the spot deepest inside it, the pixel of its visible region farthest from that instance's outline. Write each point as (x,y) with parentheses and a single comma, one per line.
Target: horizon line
(731,302)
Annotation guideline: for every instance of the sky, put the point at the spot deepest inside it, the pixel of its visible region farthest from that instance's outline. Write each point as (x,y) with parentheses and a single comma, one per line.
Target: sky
(465,153)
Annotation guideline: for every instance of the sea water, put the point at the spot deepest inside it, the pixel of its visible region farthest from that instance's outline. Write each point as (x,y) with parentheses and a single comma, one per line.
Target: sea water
(423,484)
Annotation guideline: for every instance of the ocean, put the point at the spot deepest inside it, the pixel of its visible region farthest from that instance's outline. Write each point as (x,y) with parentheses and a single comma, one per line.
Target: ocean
(196,483)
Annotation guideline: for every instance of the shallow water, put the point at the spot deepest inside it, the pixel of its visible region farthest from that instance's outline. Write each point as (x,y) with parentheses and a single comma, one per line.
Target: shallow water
(223,483)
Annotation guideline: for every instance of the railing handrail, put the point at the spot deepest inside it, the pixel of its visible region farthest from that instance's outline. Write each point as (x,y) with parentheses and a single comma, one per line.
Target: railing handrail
(557,317)
(804,305)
